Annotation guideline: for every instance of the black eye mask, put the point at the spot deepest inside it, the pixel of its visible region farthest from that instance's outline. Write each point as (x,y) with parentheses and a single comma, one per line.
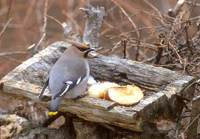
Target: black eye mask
(87,51)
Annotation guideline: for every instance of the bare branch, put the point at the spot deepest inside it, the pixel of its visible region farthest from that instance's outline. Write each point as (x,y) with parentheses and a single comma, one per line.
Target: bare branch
(43,28)
(174,12)
(128,17)
(54,19)
(156,10)
(12,53)
(9,8)
(5,27)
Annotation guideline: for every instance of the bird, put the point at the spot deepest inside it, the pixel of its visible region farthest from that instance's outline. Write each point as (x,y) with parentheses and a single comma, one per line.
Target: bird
(68,77)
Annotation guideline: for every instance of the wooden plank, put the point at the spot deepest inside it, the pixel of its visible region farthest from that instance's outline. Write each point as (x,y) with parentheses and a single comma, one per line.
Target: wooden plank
(177,91)
(91,109)
(128,71)
(149,108)
(112,117)
(23,89)
(180,86)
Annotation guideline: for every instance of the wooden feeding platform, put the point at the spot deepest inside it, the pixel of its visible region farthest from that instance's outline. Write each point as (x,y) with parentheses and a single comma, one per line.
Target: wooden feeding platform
(163,88)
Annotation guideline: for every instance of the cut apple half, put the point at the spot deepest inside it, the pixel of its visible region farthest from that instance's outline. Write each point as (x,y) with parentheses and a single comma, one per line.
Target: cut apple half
(125,95)
(100,90)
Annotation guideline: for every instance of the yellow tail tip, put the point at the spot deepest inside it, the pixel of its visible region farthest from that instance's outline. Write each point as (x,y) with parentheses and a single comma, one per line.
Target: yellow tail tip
(52,113)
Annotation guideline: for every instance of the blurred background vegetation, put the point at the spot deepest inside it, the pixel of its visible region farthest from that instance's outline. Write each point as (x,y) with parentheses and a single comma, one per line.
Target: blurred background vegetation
(138,23)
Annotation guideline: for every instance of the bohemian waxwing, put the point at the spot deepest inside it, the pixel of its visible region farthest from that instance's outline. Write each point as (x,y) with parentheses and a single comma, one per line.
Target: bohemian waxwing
(68,77)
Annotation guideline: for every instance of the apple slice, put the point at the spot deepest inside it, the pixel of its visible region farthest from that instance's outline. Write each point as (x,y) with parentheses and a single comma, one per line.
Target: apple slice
(125,95)
(100,90)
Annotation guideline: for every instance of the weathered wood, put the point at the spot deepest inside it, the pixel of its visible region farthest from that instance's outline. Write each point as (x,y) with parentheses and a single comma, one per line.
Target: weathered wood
(93,24)
(92,109)
(185,86)
(26,80)
(12,125)
(128,71)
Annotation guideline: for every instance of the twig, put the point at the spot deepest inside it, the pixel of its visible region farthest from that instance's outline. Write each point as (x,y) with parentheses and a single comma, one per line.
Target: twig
(9,58)
(43,27)
(128,17)
(159,55)
(176,52)
(160,26)
(134,26)
(54,19)
(116,46)
(11,25)
(9,54)
(12,53)
(5,27)
(195,118)
(68,39)
(163,55)
(178,6)
(134,43)
(9,8)
(124,44)
(73,21)
(187,39)
(156,10)
(137,49)
(66,28)
(191,3)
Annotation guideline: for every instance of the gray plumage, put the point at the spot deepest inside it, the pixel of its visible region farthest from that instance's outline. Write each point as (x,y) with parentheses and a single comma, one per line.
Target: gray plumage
(68,77)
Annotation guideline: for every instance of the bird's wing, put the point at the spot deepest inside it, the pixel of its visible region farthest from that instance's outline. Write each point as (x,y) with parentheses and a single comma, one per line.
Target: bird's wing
(68,85)
(43,89)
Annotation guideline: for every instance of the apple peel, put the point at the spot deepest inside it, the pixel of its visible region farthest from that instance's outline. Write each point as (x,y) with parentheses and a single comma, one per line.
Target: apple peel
(100,90)
(125,95)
